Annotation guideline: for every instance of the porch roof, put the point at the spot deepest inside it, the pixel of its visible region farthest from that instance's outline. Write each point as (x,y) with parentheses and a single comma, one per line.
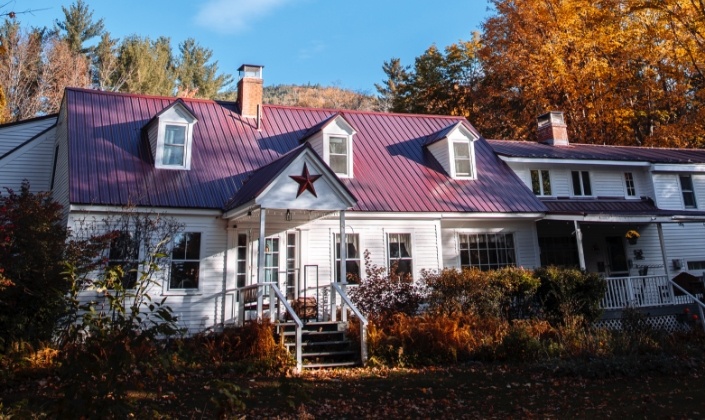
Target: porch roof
(612,206)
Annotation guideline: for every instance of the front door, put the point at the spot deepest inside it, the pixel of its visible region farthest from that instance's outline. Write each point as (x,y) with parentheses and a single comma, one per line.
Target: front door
(617,257)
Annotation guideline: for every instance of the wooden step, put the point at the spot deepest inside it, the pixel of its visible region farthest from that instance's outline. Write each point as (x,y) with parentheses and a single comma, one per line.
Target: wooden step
(325,365)
(328,353)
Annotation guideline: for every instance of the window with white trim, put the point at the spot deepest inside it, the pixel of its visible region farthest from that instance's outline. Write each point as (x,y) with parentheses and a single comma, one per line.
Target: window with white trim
(462,156)
(629,184)
(688,192)
(124,253)
(352,258)
(487,251)
(174,149)
(581,183)
(399,248)
(185,261)
(241,257)
(338,154)
(540,182)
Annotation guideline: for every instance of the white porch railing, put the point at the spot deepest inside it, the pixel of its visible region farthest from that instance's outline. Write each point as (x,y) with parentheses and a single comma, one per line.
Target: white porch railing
(642,291)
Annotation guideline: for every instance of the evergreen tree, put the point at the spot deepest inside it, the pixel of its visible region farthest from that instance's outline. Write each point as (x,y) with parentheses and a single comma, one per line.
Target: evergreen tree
(195,75)
(78,26)
(146,66)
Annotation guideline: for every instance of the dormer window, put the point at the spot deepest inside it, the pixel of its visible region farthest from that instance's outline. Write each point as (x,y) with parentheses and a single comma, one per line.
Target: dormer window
(338,155)
(170,136)
(174,151)
(332,139)
(463,159)
(454,148)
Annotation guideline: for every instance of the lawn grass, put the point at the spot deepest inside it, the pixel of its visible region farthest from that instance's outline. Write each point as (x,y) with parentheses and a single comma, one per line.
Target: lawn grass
(475,390)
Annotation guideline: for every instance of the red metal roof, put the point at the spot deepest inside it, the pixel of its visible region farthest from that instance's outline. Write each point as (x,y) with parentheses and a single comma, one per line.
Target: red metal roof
(535,150)
(611,206)
(110,163)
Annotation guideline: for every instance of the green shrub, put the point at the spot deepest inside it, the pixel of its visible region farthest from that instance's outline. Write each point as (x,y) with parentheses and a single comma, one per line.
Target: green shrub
(506,293)
(567,293)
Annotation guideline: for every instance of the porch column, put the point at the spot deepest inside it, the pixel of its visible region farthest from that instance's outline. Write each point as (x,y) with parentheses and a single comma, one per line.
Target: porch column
(579,240)
(662,243)
(260,262)
(343,279)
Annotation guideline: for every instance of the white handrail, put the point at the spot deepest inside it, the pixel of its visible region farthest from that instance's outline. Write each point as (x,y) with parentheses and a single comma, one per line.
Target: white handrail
(360,316)
(697,301)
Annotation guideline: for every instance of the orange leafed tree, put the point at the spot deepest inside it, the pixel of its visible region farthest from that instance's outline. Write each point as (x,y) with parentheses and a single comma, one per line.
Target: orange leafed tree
(614,68)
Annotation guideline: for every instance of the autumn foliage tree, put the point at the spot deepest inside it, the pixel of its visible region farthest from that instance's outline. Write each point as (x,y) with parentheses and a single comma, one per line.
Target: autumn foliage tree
(32,287)
(624,71)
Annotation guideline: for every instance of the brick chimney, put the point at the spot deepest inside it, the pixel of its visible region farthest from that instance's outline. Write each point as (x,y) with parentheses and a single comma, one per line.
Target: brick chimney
(552,129)
(249,89)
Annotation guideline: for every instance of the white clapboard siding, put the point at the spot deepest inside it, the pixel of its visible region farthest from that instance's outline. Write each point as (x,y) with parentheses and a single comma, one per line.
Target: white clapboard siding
(198,309)
(685,242)
(699,189)
(60,192)
(32,161)
(607,183)
(14,135)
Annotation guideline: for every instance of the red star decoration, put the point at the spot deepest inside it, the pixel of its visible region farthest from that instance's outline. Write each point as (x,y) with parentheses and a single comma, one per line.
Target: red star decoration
(305,181)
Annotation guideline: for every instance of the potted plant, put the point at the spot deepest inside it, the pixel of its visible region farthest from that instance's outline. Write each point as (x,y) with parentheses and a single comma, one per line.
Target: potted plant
(632,236)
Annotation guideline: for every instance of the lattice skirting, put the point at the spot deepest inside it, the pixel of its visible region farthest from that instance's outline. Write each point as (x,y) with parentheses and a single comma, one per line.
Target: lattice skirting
(661,322)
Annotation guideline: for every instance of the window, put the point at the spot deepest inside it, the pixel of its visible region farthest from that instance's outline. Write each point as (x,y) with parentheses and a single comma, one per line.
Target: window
(241,256)
(352,258)
(174,151)
(696,265)
(463,160)
(581,183)
(271,259)
(487,251)
(291,269)
(124,253)
(629,184)
(400,253)
(540,182)
(688,192)
(185,261)
(338,154)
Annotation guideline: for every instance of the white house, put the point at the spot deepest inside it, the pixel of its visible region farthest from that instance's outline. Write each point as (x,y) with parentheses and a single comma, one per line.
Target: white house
(267,194)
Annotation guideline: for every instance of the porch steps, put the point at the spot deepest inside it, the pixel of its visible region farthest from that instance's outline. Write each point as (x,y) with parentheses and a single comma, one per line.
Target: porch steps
(323,344)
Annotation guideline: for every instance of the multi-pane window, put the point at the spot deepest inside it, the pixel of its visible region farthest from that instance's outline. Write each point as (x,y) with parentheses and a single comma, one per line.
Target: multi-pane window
(291,269)
(338,154)
(463,161)
(581,183)
(487,251)
(241,256)
(400,253)
(540,182)
(352,257)
(174,150)
(629,184)
(688,191)
(124,252)
(271,259)
(185,261)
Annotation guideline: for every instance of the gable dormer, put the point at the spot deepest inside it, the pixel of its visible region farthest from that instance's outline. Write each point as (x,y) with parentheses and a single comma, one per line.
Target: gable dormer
(332,139)
(170,135)
(454,148)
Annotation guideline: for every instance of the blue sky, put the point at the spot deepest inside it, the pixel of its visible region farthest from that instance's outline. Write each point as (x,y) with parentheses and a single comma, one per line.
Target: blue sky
(330,42)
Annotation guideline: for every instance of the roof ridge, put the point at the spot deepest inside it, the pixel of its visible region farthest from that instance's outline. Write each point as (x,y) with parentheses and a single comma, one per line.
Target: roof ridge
(614,146)
(361,111)
(143,95)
